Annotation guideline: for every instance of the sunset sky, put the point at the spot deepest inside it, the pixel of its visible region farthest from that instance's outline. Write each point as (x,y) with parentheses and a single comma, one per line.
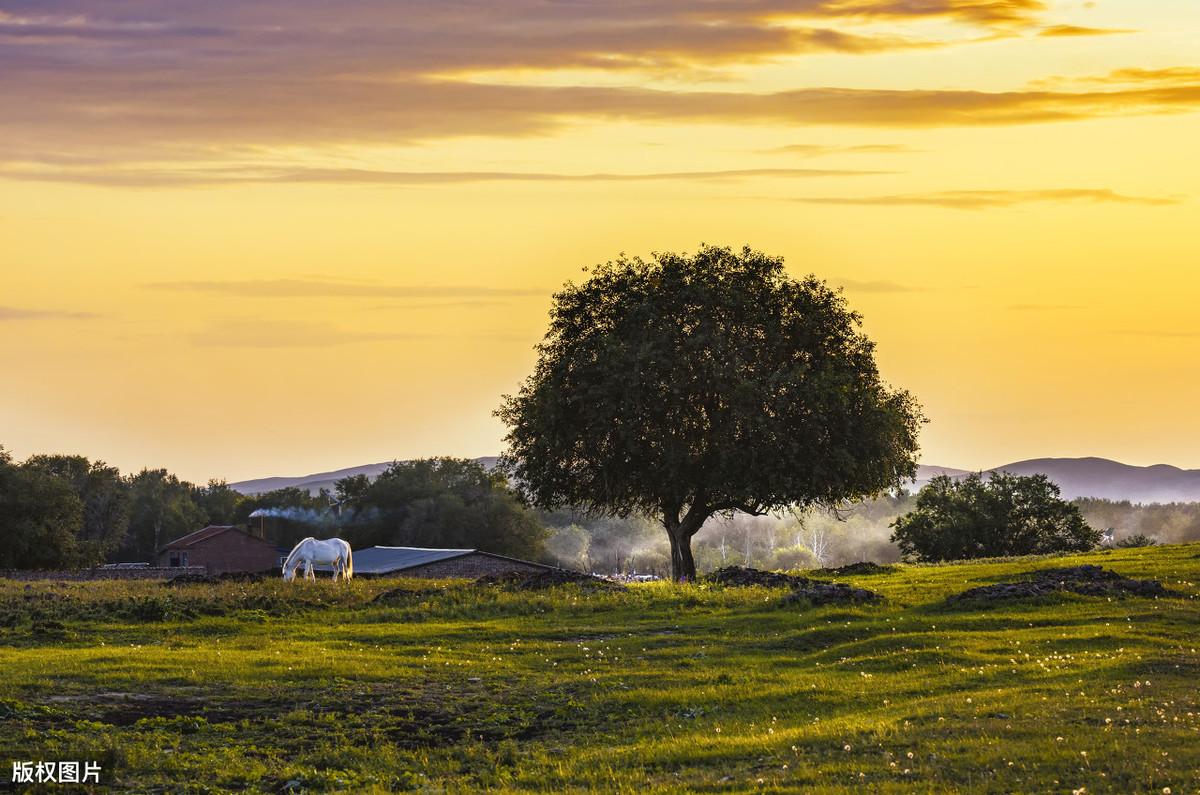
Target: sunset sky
(268,238)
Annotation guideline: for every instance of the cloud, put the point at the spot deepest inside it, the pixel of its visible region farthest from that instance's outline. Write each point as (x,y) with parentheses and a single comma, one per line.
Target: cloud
(875,286)
(287,334)
(1042,307)
(819,150)
(21,313)
(308,288)
(1058,31)
(982,199)
(1163,333)
(152,177)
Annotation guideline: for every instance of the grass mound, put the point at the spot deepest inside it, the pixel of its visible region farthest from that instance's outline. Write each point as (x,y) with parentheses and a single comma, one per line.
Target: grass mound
(1087,580)
(213,579)
(542,580)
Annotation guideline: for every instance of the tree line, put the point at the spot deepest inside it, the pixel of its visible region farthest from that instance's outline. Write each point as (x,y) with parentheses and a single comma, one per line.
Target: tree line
(66,511)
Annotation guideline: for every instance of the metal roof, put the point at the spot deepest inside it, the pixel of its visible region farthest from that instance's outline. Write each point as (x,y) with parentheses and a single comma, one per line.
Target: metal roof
(384,560)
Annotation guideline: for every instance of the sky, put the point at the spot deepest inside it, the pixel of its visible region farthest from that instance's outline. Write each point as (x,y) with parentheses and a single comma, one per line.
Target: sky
(266,238)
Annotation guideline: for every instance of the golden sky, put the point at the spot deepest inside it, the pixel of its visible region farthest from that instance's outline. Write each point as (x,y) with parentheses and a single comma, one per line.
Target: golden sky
(267,238)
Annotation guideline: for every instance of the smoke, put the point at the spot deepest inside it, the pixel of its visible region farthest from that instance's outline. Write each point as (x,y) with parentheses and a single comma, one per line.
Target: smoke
(302,515)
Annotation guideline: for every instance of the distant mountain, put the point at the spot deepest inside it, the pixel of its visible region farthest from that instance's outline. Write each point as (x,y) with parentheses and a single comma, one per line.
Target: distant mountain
(324,480)
(1077,477)
(1098,477)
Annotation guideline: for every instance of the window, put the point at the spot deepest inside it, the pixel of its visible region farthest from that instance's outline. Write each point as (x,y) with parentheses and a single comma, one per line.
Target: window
(174,559)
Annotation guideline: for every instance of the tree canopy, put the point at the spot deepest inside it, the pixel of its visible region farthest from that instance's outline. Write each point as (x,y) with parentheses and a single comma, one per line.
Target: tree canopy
(439,502)
(1005,515)
(691,385)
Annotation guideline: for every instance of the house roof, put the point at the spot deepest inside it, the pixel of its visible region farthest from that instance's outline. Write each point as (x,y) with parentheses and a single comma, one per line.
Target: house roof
(191,539)
(385,560)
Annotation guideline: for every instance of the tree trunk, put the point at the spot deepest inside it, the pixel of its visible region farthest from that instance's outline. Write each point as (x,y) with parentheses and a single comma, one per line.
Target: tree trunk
(683,565)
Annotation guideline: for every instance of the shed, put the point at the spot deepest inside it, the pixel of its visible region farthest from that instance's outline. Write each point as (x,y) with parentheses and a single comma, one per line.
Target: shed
(221,548)
(435,563)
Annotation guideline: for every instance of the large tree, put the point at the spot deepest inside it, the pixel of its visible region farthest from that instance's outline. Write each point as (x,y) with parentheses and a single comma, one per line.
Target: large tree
(692,385)
(1003,515)
(39,517)
(105,496)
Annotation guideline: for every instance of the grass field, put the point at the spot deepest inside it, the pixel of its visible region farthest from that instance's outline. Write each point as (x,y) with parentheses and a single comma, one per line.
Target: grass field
(310,687)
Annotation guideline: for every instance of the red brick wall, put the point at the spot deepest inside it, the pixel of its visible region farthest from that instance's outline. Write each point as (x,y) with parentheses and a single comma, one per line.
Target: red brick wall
(469,566)
(229,551)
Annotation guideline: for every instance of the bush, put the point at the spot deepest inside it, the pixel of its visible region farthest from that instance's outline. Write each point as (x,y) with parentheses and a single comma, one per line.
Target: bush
(1137,540)
(1003,516)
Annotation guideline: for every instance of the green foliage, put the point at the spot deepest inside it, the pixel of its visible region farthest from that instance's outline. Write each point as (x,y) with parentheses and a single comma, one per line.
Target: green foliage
(693,385)
(163,509)
(956,519)
(39,517)
(106,502)
(219,502)
(440,502)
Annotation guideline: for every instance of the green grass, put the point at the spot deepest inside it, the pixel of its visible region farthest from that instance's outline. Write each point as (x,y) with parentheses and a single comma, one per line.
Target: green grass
(311,687)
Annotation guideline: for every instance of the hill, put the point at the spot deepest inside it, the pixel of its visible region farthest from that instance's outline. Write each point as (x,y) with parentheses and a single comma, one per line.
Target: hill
(1077,477)
(324,480)
(381,685)
(1098,477)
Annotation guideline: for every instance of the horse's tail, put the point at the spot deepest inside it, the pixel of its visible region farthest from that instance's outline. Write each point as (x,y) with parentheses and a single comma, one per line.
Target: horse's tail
(349,561)
(289,560)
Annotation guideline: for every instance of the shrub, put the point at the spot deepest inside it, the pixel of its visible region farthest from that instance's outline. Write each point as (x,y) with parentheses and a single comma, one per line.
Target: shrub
(1002,516)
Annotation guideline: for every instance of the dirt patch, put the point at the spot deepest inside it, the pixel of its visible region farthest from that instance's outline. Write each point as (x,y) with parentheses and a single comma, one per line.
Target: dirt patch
(745,577)
(405,595)
(1086,580)
(829,593)
(803,590)
(541,580)
(859,569)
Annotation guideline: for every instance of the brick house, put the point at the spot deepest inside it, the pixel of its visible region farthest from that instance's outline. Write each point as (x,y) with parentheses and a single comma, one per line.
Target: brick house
(221,548)
(436,563)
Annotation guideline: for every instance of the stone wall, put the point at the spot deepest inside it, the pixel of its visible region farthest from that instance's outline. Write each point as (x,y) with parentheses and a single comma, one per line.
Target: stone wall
(81,575)
(470,566)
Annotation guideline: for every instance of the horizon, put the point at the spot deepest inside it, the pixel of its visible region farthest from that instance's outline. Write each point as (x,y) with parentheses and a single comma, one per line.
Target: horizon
(251,238)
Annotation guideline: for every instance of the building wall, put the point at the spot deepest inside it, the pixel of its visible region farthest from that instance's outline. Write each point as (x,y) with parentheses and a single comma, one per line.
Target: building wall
(470,566)
(229,551)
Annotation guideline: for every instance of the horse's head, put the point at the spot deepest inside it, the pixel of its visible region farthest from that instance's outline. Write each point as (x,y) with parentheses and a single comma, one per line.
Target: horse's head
(289,574)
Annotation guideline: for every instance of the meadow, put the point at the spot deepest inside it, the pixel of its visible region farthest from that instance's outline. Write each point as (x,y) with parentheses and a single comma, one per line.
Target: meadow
(449,687)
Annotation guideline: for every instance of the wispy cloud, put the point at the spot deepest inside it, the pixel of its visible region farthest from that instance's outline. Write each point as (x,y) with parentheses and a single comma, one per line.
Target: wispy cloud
(248,333)
(983,199)
(875,286)
(25,313)
(820,150)
(1164,333)
(1058,31)
(307,288)
(154,177)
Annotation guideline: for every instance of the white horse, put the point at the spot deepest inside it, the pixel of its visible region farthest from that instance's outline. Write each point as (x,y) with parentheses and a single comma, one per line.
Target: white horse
(330,551)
